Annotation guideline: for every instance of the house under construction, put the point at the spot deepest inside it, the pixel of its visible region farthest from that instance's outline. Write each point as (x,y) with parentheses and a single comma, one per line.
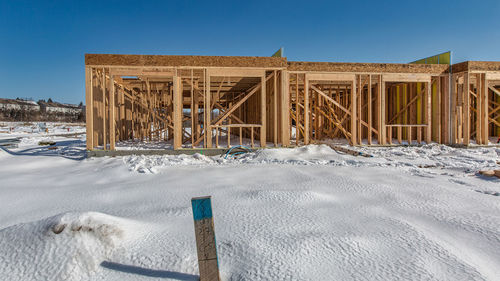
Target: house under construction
(215,101)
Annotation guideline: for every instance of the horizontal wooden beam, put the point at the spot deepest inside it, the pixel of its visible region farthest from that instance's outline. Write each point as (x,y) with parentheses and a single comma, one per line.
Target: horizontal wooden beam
(330,77)
(406,77)
(236,72)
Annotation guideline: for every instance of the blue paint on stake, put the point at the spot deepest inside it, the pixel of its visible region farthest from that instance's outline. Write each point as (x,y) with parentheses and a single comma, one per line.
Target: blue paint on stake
(202,208)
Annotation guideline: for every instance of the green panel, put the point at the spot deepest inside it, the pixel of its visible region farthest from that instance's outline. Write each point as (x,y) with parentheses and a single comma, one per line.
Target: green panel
(433,60)
(278,53)
(445,58)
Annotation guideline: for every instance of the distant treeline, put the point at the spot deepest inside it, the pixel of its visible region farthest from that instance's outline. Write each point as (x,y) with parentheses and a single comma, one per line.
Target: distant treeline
(30,115)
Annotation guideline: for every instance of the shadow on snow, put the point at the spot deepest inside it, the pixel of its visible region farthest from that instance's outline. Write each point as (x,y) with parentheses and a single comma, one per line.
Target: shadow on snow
(148,272)
(71,149)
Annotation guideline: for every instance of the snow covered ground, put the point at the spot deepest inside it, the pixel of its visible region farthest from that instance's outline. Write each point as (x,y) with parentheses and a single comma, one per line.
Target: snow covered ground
(308,213)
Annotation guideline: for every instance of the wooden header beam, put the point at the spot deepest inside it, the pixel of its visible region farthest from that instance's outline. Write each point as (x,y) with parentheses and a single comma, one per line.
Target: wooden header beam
(203,61)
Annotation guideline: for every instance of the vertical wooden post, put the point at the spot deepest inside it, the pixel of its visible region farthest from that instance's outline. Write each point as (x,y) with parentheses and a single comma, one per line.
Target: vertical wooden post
(428,112)
(466,109)
(150,108)
(382,109)
(208,263)
(453,109)
(297,110)
(216,137)
(445,114)
(196,110)
(147,115)
(193,112)
(409,136)
(285,108)
(89,107)
(241,135)
(438,108)
(485,113)
(112,121)
(306,110)
(479,109)
(369,101)
(353,112)
(263,110)
(177,112)
(104,135)
(251,137)
(275,111)
(208,112)
(358,110)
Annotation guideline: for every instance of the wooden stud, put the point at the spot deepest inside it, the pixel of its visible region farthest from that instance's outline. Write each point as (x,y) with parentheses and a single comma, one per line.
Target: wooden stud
(112,130)
(251,137)
(275,110)
(485,112)
(369,101)
(285,106)
(466,110)
(408,132)
(89,106)
(241,135)
(306,110)
(353,113)
(208,112)
(216,137)
(263,111)
(103,107)
(428,111)
(177,113)
(382,111)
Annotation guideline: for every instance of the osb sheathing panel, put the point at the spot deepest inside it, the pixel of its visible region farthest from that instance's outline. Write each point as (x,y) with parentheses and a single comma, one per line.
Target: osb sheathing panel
(366,67)
(484,65)
(476,66)
(460,67)
(204,61)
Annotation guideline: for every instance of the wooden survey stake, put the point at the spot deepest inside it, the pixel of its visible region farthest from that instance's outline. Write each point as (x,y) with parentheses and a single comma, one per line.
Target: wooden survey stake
(205,239)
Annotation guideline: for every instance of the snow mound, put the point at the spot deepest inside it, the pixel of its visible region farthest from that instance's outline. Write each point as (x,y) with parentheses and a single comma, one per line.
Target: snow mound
(68,246)
(152,163)
(305,155)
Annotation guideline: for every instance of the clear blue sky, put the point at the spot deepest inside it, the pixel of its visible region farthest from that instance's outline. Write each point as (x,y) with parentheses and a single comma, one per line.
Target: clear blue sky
(42,43)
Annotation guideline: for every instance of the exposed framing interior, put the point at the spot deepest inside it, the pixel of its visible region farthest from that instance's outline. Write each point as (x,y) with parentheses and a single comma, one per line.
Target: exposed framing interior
(476,102)
(214,102)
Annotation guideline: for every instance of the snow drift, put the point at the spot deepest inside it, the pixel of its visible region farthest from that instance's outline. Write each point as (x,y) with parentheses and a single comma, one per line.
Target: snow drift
(68,246)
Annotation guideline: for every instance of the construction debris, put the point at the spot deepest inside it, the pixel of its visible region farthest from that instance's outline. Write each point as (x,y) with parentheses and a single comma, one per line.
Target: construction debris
(46,143)
(490,173)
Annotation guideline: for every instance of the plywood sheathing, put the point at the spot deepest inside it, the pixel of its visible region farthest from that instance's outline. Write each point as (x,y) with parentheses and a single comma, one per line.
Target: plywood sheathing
(200,61)
(366,67)
(476,66)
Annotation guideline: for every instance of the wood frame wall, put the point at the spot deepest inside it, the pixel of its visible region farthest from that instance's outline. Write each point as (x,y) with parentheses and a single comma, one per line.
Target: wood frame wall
(195,101)
(476,103)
